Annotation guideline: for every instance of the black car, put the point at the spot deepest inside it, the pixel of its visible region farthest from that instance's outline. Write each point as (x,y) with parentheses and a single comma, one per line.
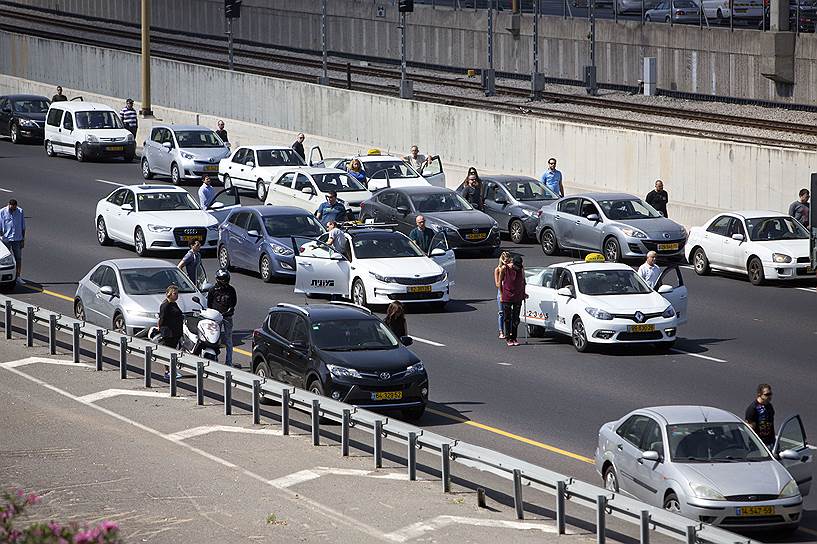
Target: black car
(342,351)
(446,211)
(22,117)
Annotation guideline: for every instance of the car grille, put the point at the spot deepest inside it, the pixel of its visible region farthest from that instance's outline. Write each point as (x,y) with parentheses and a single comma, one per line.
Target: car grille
(631,317)
(653,245)
(751,498)
(376,375)
(751,520)
(180,232)
(803,260)
(434,295)
(654,335)
(116,139)
(420,281)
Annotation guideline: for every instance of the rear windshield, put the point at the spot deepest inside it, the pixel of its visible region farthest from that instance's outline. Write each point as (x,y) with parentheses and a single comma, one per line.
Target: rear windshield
(98,120)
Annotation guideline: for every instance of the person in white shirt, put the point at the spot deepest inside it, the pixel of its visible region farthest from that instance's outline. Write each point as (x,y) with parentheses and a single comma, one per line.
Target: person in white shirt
(649,270)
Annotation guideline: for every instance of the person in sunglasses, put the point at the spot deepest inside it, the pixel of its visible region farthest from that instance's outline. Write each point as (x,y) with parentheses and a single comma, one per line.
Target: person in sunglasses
(553,178)
(760,414)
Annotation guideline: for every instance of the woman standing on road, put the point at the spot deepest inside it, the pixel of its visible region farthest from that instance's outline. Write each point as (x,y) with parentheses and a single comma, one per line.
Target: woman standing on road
(504,260)
(171,320)
(396,319)
(512,286)
(356,171)
(469,181)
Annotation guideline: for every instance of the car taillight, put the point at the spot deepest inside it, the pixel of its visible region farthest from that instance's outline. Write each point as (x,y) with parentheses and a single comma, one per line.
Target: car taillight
(679,12)
(538,213)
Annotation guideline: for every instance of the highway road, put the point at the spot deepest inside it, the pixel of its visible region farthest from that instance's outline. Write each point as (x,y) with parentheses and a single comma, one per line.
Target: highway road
(543,402)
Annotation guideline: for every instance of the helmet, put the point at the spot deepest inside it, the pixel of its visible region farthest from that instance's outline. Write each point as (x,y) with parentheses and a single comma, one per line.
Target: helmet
(223,275)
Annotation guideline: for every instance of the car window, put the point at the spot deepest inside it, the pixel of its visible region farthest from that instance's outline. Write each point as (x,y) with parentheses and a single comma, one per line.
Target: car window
(384,245)
(98,120)
(68,122)
(338,182)
(633,429)
(627,209)
(156,135)
(302,182)
(526,190)
(611,282)
(776,228)
(438,202)
(167,136)
(109,279)
(54,117)
(278,157)
(355,334)
(254,223)
(571,206)
(250,157)
(4,104)
(238,158)
(714,442)
(168,201)
(672,277)
(30,105)
(490,191)
(402,200)
(735,227)
(286,180)
(720,226)
(393,169)
(588,208)
(565,279)
(282,324)
(128,198)
(792,436)
(241,220)
(547,278)
(388,199)
(96,277)
(117,197)
(298,333)
(154,281)
(198,138)
(651,439)
(304,225)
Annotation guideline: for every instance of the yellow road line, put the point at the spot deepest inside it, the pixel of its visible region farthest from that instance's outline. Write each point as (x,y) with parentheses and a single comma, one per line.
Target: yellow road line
(242,352)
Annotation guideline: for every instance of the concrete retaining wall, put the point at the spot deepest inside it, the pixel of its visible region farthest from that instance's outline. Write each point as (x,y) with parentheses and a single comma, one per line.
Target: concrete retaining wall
(702,176)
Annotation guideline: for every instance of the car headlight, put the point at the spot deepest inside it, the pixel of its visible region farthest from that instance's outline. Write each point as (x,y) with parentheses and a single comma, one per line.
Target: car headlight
(158,228)
(669,312)
(633,233)
(384,279)
(781,258)
(91,138)
(186,155)
(343,372)
(129,137)
(8,260)
(142,313)
(280,250)
(599,314)
(703,491)
(416,368)
(528,213)
(790,490)
(27,123)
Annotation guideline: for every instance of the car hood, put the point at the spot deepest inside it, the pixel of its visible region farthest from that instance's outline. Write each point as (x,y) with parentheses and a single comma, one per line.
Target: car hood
(354,197)
(404,267)
(207,153)
(151,303)
(179,218)
(760,478)
(656,228)
(391,360)
(794,248)
(33,116)
(461,220)
(648,303)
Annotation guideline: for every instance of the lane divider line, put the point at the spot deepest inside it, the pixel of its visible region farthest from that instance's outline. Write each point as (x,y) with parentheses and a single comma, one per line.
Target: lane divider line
(429,342)
(111,182)
(6,190)
(416,530)
(698,355)
(807,289)
(207,429)
(110,393)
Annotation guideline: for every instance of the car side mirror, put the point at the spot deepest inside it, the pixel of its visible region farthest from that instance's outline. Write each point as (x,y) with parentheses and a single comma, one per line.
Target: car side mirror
(500,199)
(126,207)
(167,145)
(308,190)
(337,257)
(738,237)
(250,164)
(254,233)
(403,209)
(299,345)
(216,206)
(664,289)
(651,456)
(206,286)
(790,455)
(594,217)
(107,290)
(196,299)
(565,291)
(406,340)
(437,252)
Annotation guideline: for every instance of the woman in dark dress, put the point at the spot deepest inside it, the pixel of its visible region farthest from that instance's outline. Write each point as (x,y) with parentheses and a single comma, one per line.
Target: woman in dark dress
(396,319)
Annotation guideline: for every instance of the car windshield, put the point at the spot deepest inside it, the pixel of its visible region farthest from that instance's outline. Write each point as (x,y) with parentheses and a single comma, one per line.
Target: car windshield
(611,282)
(524,190)
(764,229)
(714,443)
(284,226)
(154,281)
(395,168)
(439,202)
(684,4)
(278,157)
(353,335)
(197,138)
(384,245)
(628,209)
(98,120)
(166,202)
(32,105)
(339,182)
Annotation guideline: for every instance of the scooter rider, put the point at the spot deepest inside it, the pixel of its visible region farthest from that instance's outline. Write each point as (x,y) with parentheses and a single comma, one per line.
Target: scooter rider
(222,298)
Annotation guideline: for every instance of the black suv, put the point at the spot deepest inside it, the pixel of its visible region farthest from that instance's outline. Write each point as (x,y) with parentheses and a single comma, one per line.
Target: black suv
(342,351)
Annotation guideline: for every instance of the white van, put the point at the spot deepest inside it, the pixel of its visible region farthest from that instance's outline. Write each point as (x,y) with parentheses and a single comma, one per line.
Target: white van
(87,131)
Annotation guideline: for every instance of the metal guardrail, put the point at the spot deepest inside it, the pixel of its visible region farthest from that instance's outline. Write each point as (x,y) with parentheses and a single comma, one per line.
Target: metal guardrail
(521,473)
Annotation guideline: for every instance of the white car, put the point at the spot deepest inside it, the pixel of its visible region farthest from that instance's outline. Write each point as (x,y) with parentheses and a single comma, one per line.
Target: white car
(86,130)
(605,303)
(256,167)
(388,171)
(743,9)
(381,266)
(160,218)
(307,187)
(765,245)
(8,268)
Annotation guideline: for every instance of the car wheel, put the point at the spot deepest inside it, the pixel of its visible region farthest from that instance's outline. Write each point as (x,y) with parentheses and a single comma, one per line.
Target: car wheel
(146,173)
(666,19)
(261,190)
(175,175)
(223,258)
(118,323)
(78,153)
(647,18)
(263,371)
(228,181)
(699,262)
(139,242)
(550,246)
(102,233)
(79,309)
(359,293)
(755,269)
(672,504)
(414,414)
(516,230)
(265,269)
(579,336)
(316,388)
(612,251)
(15,134)
(49,149)
(535,331)
(610,479)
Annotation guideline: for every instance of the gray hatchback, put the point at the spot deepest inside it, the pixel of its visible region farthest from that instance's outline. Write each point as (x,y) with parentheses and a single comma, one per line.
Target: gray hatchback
(183,152)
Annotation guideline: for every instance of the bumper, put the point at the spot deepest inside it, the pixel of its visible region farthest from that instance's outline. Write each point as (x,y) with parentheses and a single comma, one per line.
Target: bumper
(161,241)
(8,274)
(386,293)
(31,133)
(137,323)
(195,170)
(413,392)
(788,271)
(99,150)
(616,331)
(282,266)
(726,514)
(637,247)
(530,227)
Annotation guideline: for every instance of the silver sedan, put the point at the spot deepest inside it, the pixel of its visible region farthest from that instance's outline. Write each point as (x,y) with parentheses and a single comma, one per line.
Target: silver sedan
(676,11)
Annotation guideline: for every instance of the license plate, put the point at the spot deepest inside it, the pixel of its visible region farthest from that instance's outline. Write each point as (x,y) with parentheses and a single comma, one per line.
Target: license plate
(387,395)
(116,148)
(667,247)
(754,511)
(640,328)
(191,238)
(211,168)
(476,236)
(420,289)
(809,270)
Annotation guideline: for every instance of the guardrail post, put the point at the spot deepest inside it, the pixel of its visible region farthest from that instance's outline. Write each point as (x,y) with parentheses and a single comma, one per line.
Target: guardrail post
(98,349)
(561,488)
(285,412)
(123,358)
(691,534)
(256,402)
(148,365)
(228,393)
(517,494)
(378,443)
(645,527)
(52,334)
(412,456)
(7,321)
(316,422)
(344,433)
(601,519)
(75,341)
(446,467)
(174,365)
(200,383)
(29,327)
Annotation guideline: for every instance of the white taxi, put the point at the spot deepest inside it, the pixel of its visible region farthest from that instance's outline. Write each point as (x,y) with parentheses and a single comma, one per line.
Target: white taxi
(256,167)
(596,302)
(380,266)
(388,171)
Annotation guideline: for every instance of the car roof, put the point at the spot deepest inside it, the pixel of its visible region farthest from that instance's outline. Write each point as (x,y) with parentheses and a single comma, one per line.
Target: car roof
(752,214)
(146,188)
(321,312)
(606,196)
(420,189)
(263,147)
(24,97)
(381,157)
(673,415)
(582,266)
(134,262)
(507,178)
(269,211)
(311,170)
(79,105)
(183,127)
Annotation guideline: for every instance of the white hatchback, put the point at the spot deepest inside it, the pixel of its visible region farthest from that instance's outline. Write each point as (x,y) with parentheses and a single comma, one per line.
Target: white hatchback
(86,130)
(256,167)
(307,188)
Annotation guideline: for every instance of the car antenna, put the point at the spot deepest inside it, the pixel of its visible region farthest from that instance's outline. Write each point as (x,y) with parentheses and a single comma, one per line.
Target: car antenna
(703,414)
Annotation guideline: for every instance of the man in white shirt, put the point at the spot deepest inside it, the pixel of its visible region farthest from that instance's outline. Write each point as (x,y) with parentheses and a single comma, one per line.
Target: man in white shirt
(649,270)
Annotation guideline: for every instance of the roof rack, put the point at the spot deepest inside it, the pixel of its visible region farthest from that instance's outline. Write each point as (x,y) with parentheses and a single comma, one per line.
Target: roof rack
(352,304)
(292,306)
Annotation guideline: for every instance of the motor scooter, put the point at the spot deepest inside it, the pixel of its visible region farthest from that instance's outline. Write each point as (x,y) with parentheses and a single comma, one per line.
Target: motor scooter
(201,333)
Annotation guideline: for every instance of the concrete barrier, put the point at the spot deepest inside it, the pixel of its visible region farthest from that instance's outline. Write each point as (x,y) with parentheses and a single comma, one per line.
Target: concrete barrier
(702,176)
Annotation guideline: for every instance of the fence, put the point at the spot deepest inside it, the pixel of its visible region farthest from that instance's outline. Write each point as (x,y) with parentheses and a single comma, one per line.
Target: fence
(566,489)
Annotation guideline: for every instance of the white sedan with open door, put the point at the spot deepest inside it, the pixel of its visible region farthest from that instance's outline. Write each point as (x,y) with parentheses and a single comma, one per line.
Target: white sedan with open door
(604,303)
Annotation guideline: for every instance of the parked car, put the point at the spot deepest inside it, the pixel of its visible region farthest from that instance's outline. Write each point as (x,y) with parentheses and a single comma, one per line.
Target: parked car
(675,11)
(255,167)
(8,268)
(388,171)
(342,351)
(308,187)
(22,117)
(265,238)
(743,9)
(86,130)
(182,152)
(635,6)
(807,14)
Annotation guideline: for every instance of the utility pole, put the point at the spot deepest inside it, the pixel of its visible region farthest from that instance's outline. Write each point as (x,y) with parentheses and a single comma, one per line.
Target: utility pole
(590,71)
(324,79)
(489,75)
(230,43)
(406,85)
(232,10)
(537,79)
(146,110)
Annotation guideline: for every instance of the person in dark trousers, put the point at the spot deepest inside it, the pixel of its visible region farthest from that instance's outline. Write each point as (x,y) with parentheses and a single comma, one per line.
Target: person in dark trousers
(191,261)
(799,209)
(59,97)
(760,415)
(512,286)
(129,117)
(223,299)
(222,133)
(471,192)
(13,232)
(171,321)
(396,319)
(421,234)
(298,146)
(658,198)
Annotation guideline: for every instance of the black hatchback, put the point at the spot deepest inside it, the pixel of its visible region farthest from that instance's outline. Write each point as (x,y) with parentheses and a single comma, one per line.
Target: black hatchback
(342,351)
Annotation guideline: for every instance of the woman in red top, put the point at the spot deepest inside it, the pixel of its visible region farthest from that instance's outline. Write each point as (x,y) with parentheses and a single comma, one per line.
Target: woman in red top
(512,293)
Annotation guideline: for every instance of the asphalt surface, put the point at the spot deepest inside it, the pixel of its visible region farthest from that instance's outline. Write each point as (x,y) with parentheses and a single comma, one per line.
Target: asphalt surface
(543,402)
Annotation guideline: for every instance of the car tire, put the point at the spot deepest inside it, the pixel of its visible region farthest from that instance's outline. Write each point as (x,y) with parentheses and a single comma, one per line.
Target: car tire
(647,18)
(118,323)
(224,258)
(610,479)
(265,269)
(516,231)
(671,503)
(228,181)
(102,233)
(261,190)
(79,309)
(612,250)
(535,331)
(755,269)
(666,19)
(49,149)
(14,134)
(139,243)
(700,263)
(175,174)
(578,335)
(550,246)
(146,173)
(263,371)
(415,413)
(359,293)
(80,156)
(128,157)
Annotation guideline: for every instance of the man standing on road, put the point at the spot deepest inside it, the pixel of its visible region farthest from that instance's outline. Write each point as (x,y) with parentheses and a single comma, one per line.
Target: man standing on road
(416,159)
(760,415)
(191,261)
(222,298)
(553,178)
(331,210)
(799,209)
(298,146)
(222,132)
(59,97)
(658,198)
(13,231)
(421,234)
(650,271)
(129,118)
(206,193)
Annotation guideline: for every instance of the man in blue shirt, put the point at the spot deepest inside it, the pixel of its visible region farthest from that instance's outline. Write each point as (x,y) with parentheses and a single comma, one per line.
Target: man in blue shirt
(13,231)
(331,210)
(422,235)
(553,178)
(206,193)
(191,261)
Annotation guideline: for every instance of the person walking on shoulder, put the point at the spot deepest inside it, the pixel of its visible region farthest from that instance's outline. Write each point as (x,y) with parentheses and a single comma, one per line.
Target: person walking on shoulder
(553,178)
(129,117)
(512,286)
(658,198)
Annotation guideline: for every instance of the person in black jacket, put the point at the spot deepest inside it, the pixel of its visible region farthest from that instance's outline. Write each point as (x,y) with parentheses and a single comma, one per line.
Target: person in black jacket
(658,198)
(171,321)
(222,298)
(396,319)
(298,146)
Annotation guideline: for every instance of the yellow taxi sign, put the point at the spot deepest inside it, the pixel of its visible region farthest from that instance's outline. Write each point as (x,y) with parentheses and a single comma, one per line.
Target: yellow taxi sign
(594,258)
(374,151)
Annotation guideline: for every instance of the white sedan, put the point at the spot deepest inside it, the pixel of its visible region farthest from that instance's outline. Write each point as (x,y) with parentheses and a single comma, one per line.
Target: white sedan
(381,266)
(604,303)
(255,167)
(386,170)
(160,218)
(8,268)
(764,245)
(307,188)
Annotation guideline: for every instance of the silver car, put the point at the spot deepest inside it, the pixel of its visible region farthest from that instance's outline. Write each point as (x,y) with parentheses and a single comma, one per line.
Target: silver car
(676,11)
(125,294)
(182,152)
(708,465)
(620,225)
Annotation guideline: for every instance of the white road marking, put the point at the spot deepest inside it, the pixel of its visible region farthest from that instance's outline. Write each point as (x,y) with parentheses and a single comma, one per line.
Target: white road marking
(6,190)
(429,342)
(111,182)
(416,530)
(686,266)
(698,355)
(807,289)
(110,393)
(43,360)
(313,474)
(504,364)
(206,429)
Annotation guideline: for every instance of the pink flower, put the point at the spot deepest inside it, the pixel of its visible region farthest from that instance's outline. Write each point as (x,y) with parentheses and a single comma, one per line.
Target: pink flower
(33,498)
(109,526)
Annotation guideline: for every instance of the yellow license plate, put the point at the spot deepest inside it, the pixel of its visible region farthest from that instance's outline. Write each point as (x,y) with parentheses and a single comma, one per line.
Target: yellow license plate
(667,247)
(387,395)
(191,238)
(116,148)
(476,236)
(640,328)
(211,168)
(754,511)
(420,289)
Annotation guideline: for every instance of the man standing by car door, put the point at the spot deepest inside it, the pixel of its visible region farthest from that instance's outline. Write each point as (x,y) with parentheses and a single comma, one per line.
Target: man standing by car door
(658,198)
(222,298)
(421,234)
(799,209)
(13,232)
(760,415)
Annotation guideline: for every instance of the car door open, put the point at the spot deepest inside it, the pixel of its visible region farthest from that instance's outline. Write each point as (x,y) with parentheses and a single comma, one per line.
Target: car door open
(794,452)
(433,172)
(316,156)
(443,255)
(223,203)
(670,285)
(321,270)
(541,305)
